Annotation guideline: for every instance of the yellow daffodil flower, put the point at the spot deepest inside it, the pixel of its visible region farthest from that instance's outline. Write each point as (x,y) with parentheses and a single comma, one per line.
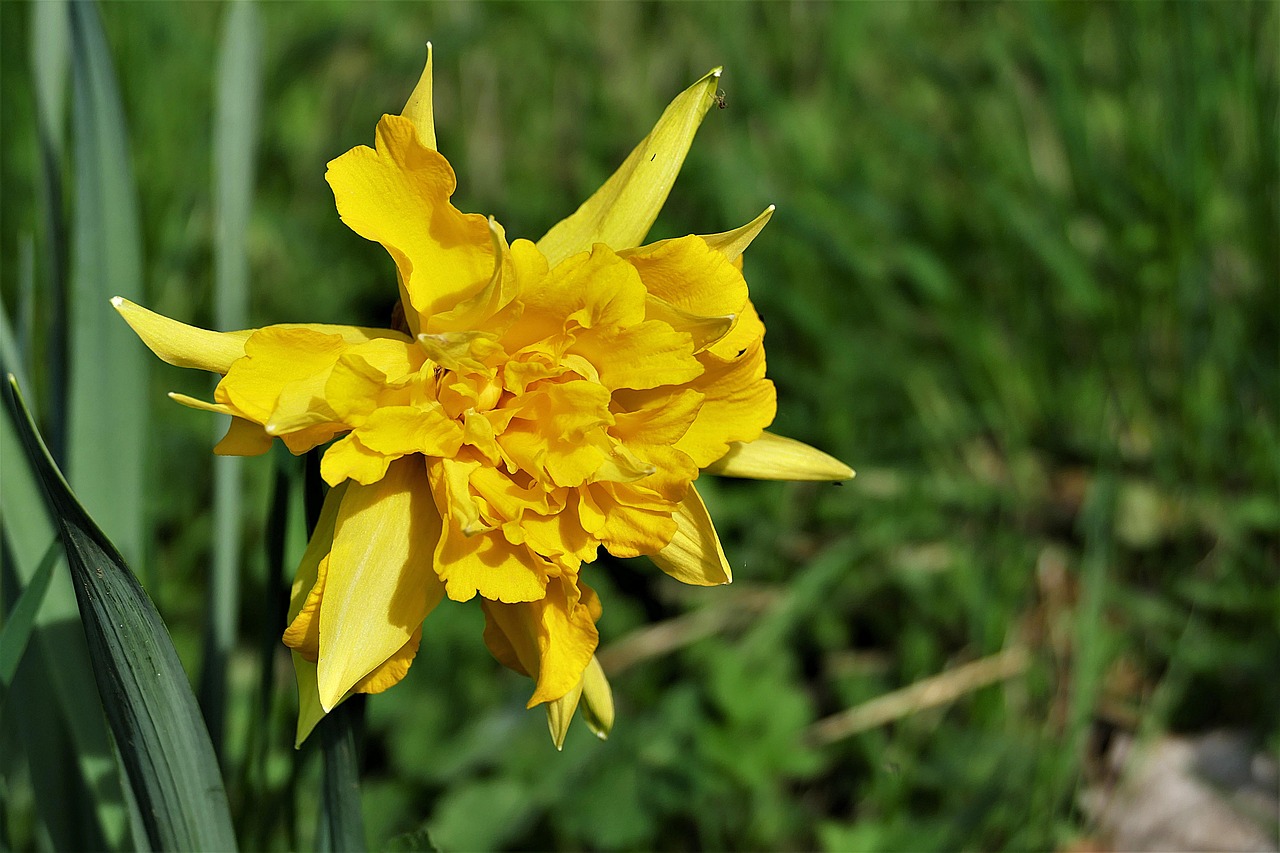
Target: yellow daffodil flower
(536,402)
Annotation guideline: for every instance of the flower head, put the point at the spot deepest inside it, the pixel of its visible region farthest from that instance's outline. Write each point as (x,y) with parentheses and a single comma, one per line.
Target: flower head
(537,402)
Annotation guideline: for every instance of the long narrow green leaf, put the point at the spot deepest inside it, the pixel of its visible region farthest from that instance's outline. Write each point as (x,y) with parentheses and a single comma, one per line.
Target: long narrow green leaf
(50,59)
(163,743)
(20,622)
(107,401)
(239,82)
(76,777)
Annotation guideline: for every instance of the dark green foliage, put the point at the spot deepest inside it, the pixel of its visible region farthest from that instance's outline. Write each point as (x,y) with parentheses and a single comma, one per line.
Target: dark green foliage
(162,740)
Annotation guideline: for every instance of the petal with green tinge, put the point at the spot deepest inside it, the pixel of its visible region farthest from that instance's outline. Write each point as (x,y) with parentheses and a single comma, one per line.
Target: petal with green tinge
(380,583)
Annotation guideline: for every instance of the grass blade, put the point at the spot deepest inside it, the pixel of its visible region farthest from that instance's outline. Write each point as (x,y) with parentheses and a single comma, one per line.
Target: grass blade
(163,743)
(21,621)
(107,398)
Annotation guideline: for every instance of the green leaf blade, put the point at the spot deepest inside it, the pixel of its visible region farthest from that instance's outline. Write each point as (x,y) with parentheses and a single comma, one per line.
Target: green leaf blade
(21,621)
(108,373)
(152,711)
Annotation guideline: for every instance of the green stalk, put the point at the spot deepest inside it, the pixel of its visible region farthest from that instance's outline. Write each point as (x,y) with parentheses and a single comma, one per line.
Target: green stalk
(234,142)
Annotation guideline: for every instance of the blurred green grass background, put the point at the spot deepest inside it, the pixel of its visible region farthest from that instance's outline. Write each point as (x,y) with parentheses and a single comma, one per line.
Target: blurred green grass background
(1022,276)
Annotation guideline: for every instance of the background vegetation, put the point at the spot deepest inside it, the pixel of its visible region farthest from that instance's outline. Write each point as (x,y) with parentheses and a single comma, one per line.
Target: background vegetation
(1022,276)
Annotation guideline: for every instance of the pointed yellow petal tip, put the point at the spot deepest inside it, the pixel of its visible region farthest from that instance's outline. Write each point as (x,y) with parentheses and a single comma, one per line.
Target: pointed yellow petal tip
(560,713)
(597,700)
(774,457)
(179,344)
(419,109)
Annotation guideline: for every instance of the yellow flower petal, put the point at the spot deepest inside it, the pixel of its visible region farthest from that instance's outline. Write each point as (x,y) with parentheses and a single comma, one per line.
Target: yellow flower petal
(477,311)
(637,520)
(349,459)
(398,430)
(487,564)
(307,576)
(646,355)
(380,584)
(182,345)
(774,457)
(310,711)
(420,110)
(596,290)
(200,405)
(704,331)
(309,438)
(690,275)
(598,700)
(733,243)
(694,555)
(620,213)
(387,675)
(366,377)
(398,195)
(243,438)
(739,403)
(460,351)
(190,346)
(274,359)
(552,639)
(560,714)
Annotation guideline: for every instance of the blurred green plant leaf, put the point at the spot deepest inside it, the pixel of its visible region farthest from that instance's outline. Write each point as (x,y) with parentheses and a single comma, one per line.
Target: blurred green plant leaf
(418,841)
(20,621)
(162,740)
(238,83)
(108,377)
(508,808)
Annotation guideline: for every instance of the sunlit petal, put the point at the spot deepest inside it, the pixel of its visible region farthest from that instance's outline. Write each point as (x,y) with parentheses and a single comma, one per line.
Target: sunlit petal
(694,555)
(775,457)
(380,584)
(620,213)
(419,109)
